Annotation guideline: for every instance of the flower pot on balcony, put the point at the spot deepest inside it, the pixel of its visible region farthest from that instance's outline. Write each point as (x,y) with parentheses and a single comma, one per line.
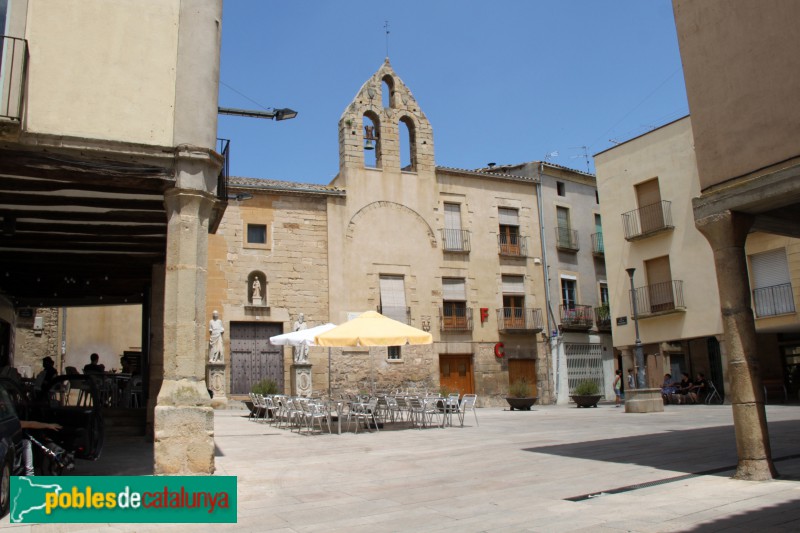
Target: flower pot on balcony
(586,400)
(522,404)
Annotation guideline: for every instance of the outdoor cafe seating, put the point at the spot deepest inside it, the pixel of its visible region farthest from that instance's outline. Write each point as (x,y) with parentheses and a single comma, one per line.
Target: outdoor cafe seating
(367,412)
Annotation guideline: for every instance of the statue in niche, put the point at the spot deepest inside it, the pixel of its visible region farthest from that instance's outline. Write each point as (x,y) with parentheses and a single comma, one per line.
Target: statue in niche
(215,344)
(256,291)
(301,350)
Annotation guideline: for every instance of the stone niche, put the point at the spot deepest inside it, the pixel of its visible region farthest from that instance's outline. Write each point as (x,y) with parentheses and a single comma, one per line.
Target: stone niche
(257,289)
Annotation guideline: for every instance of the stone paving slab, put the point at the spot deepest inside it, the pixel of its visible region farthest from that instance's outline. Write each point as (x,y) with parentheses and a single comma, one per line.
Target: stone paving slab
(514,472)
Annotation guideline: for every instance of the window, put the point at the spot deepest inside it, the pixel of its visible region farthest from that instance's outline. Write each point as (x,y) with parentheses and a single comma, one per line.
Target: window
(509,231)
(561,188)
(453,236)
(256,234)
(455,315)
(597,197)
(569,293)
(564,232)
(604,293)
(772,287)
(513,302)
(394,353)
(393,298)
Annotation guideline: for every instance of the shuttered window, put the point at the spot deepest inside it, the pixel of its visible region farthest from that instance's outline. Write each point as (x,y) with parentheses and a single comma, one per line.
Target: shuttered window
(513,285)
(393,298)
(769,269)
(454,289)
(452,217)
(508,217)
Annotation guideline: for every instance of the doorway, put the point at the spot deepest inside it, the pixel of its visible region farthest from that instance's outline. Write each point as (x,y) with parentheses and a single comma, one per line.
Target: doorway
(651,213)
(455,373)
(253,357)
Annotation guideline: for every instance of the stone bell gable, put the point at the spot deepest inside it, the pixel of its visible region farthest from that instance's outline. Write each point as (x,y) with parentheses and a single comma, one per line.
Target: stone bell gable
(367,109)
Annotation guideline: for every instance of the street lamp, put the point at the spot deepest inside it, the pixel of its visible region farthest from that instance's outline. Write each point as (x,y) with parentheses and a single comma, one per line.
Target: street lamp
(277,114)
(638,350)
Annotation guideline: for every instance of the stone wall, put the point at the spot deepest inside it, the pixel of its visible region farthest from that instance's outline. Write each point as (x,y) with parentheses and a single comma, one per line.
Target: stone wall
(32,345)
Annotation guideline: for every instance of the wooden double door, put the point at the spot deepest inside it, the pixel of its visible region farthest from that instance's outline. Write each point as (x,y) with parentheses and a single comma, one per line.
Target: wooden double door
(523,370)
(253,357)
(455,373)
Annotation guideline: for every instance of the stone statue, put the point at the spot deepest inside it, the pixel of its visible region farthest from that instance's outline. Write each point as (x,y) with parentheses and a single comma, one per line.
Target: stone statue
(301,350)
(256,290)
(215,344)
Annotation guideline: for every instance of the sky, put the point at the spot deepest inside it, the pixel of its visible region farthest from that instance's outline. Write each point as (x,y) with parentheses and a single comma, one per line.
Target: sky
(503,81)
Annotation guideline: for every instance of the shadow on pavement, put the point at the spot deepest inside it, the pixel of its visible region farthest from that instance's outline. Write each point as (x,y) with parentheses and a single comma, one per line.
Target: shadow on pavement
(690,451)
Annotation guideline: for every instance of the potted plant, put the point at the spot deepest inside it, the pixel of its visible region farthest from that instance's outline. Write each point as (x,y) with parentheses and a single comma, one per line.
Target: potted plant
(586,394)
(263,387)
(520,395)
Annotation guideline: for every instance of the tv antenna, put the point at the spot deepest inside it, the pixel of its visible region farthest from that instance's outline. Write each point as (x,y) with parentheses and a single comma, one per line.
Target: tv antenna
(584,155)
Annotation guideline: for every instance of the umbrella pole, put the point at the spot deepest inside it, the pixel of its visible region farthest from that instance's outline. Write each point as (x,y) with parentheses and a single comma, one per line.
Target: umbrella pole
(329,373)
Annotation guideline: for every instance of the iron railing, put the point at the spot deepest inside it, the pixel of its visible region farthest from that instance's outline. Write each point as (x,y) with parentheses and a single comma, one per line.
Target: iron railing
(519,319)
(224,149)
(647,220)
(513,245)
(566,239)
(13,71)
(455,240)
(602,317)
(576,316)
(598,248)
(658,298)
(775,300)
(455,319)
(401,314)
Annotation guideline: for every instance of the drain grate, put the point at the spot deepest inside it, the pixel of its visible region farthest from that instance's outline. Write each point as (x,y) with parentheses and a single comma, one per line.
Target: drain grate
(648,484)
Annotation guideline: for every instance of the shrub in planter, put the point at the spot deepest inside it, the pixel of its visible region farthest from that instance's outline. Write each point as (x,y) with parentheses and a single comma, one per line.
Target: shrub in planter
(265,386)
(586,394)
(520,395)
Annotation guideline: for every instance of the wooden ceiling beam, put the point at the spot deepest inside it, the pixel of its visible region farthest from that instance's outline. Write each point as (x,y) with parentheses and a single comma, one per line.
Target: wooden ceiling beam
(18,183)
(57,228)
(17,199)
(132,216)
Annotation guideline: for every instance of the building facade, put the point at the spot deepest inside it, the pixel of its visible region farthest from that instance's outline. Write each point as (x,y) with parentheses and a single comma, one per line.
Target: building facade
(110,180)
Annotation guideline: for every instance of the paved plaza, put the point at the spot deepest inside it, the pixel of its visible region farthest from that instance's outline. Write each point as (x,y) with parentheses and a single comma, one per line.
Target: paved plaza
(551,469)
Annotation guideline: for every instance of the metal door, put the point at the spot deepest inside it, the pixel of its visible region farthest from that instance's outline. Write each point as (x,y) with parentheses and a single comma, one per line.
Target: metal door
(253,357)
(584,362)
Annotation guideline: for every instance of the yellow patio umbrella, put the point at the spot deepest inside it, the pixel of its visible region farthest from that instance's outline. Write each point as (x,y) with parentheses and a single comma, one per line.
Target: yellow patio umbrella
(373,329)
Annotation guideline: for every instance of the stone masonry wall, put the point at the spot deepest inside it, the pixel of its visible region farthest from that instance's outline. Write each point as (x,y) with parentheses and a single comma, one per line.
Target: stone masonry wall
(31,345)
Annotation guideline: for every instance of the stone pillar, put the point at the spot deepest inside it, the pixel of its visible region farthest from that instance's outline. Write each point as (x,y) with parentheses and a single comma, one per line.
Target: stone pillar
(184,419)
(727,232)
(562,380)
(627,362)
(301,379)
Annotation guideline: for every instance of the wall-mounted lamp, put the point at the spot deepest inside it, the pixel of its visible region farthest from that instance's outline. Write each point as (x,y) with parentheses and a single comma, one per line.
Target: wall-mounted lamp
(275,114)
(240,196)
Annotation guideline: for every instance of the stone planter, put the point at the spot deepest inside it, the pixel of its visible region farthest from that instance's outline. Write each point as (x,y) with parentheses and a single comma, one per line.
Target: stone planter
(522,404)
(586,400)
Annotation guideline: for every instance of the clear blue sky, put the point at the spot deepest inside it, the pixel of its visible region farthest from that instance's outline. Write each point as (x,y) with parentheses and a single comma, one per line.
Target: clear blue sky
(502,81)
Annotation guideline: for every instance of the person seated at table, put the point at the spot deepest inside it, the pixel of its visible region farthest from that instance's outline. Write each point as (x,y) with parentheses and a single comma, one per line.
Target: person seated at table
(699,387)
(684,388)
(668,389)
(45,378)
(93,367)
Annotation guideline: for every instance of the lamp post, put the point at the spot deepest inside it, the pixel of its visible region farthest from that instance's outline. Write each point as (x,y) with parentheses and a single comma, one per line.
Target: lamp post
(638,350)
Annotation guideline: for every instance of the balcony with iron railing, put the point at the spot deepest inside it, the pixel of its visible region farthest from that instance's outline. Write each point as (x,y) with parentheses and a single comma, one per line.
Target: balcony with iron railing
(13,71)
(455,240)
(659,299)
(566,239)
(773,301)
(519,320)
(576,317)
(401,314)
(602,317)
(598,248)
(455,319)
(648,220)
(512,245)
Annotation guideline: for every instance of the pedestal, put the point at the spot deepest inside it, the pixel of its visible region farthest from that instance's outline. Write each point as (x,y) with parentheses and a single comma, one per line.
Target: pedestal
(216,379)
(643,401)
(301,379)
(256,301)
